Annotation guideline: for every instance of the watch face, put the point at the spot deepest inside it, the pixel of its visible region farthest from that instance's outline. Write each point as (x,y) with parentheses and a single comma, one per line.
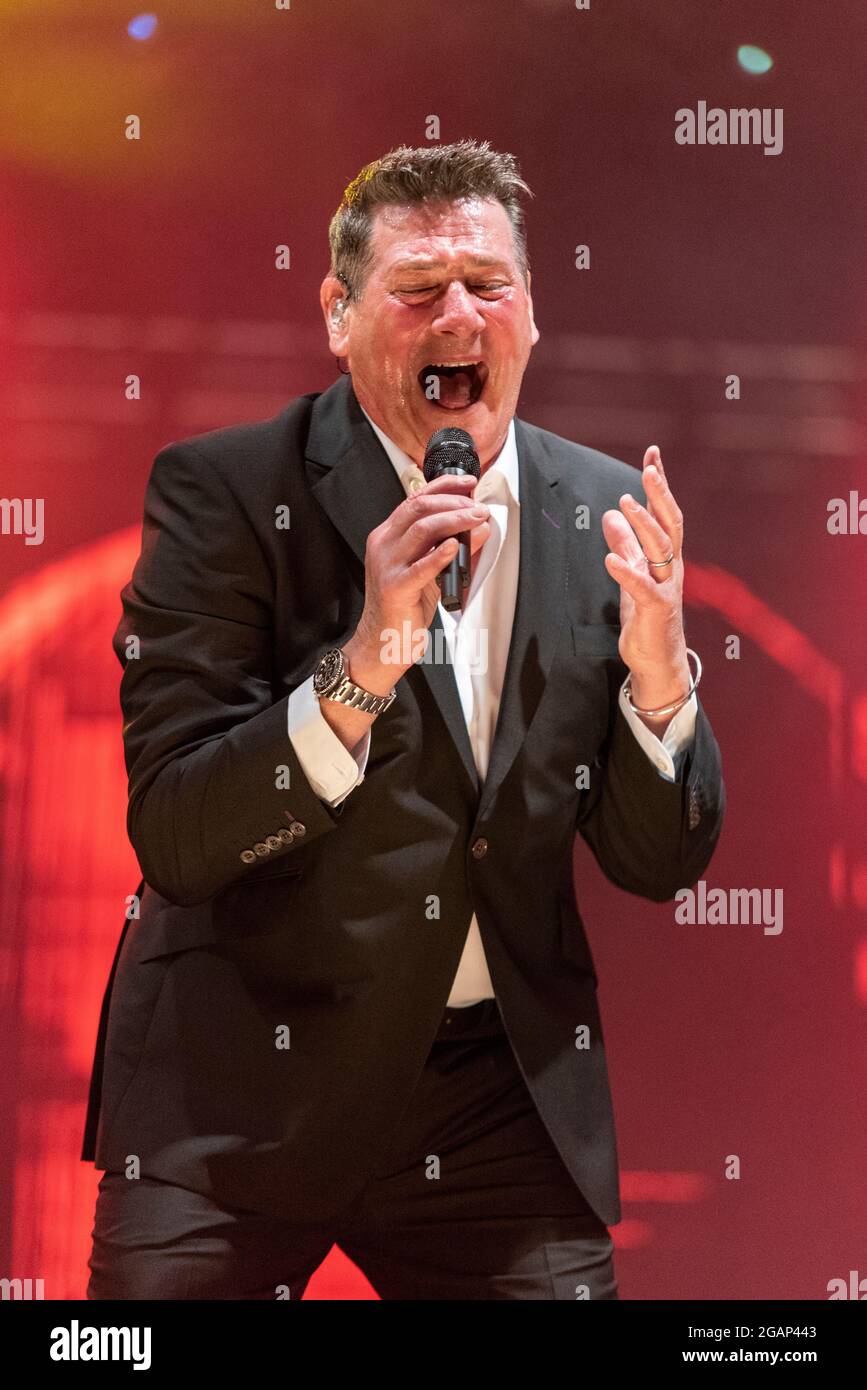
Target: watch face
(328,670)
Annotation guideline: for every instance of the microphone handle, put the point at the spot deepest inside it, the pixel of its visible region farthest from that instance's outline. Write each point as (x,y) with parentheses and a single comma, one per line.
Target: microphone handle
(456,575)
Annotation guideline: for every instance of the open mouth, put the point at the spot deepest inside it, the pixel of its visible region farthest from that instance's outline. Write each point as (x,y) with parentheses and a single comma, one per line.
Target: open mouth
(453,385)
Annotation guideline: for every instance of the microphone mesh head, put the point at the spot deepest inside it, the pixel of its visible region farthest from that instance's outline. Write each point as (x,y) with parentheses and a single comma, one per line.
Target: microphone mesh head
(450,448)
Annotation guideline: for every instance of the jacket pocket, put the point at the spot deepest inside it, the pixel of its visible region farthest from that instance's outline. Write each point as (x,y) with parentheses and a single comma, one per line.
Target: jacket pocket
(596,640)
(255,906)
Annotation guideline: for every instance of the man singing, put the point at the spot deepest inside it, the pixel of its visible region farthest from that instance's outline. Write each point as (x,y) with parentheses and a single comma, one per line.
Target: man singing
(354,1000)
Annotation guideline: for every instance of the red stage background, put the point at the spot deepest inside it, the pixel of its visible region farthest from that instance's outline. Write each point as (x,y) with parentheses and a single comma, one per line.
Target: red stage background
(156,257)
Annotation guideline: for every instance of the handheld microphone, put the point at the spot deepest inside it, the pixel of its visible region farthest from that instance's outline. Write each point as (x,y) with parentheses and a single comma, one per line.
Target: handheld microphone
(452,451)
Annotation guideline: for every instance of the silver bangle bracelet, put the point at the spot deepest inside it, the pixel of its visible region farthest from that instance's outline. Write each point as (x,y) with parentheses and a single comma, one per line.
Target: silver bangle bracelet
(665,709)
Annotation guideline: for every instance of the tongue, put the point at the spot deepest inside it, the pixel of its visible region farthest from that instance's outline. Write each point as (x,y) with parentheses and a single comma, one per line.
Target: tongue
(455,388)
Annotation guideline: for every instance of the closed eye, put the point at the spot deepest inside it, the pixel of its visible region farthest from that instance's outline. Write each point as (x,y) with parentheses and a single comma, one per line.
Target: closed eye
(489,288)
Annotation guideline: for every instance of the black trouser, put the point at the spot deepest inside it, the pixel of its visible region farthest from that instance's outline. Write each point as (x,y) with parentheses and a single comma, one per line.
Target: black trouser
(472,1201)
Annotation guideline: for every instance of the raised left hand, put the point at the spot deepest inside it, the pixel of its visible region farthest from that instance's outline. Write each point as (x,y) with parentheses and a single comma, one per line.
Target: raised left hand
(652,641)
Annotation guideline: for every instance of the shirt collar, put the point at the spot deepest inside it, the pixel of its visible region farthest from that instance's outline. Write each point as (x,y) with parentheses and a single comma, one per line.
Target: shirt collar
(506,462)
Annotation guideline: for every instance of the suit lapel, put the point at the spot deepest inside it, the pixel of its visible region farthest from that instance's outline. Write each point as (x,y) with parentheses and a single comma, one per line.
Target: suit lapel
(349,473)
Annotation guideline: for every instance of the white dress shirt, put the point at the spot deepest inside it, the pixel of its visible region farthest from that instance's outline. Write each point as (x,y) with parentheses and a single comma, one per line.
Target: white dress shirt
(486,617)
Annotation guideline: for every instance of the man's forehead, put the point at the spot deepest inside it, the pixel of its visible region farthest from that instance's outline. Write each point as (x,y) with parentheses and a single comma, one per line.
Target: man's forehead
(478,229)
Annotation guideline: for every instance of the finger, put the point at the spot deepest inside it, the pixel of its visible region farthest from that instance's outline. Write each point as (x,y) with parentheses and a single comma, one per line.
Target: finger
(436,497)
(655,542)
(660,499)
(449,482)
(429,565)
(431,530)
(425,503)
(637,583)
(652,455)
(621,538)
(479,536)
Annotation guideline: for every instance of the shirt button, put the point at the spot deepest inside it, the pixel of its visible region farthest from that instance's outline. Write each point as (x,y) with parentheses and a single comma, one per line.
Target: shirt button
(480,848)
(297,828)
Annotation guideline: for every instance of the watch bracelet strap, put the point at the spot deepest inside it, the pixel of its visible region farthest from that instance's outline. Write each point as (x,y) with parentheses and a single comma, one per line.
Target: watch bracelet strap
(352,695)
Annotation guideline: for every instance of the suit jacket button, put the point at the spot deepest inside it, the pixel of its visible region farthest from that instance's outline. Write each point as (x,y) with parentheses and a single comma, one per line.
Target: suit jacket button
(261,849)
(285,836)
(480,848)
(273,842)
(297,828)
(248,856)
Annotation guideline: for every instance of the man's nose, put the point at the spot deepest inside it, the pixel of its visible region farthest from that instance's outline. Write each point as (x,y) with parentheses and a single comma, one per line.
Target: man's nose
(457,313)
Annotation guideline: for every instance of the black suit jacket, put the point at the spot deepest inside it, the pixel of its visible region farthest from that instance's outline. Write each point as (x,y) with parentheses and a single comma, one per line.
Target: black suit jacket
(265,1023)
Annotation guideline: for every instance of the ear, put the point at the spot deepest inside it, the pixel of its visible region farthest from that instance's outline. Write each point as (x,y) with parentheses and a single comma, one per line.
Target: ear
(534,332)
(337,313)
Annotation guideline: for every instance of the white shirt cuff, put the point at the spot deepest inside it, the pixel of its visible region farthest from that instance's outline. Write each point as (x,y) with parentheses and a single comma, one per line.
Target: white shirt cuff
(329,767)
(676,739)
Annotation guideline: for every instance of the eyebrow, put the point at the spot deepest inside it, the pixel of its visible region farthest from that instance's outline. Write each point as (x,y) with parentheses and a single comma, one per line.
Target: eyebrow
(478,261)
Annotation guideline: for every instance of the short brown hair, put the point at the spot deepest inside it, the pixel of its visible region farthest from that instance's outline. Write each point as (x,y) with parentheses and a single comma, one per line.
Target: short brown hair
(433,173)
